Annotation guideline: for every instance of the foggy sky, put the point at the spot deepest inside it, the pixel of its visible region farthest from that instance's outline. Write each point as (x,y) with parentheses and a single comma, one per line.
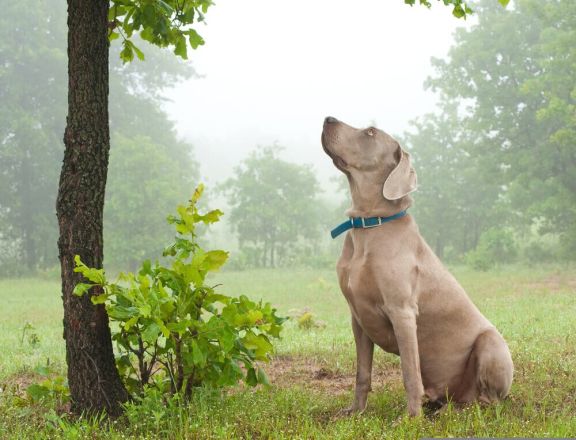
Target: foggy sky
(272,70)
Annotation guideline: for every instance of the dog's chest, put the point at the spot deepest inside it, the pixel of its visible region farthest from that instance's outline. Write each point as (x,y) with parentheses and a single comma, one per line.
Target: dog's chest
(359,286)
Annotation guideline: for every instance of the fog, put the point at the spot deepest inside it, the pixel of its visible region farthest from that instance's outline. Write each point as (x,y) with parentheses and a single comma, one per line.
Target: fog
(493,145)
(272,70)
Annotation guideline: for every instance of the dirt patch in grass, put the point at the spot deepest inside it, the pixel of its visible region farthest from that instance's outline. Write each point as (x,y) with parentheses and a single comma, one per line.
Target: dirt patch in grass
(17,383)
(554,283)
(310,373)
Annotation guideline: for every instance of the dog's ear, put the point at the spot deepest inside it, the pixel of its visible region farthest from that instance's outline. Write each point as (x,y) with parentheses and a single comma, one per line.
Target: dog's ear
(402,180)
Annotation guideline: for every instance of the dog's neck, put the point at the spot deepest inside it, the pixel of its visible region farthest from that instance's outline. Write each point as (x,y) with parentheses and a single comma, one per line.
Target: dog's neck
(368,200)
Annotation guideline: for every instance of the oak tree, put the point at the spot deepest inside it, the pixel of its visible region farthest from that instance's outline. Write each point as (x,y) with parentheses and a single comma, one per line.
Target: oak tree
(92,376)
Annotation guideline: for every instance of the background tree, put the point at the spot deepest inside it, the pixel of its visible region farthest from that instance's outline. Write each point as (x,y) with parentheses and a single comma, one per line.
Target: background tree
(512,106)
(32,89)
(455,201)
(273,204)
(146,181)
(32,92)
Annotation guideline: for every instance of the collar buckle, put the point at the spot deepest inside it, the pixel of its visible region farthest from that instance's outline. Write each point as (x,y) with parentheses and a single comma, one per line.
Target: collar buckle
(365,226)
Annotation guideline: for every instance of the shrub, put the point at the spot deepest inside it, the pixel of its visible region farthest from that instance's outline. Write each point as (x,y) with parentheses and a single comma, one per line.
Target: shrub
(495,246)
(174,331)
(305,319)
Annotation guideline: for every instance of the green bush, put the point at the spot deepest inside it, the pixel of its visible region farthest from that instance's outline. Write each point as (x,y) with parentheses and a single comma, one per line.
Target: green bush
(495,246)
(54,388)
(174,331)
(538,252)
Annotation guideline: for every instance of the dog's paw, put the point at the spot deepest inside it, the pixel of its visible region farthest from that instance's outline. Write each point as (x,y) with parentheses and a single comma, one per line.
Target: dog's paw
(350,411)
(346,412)
(432,408)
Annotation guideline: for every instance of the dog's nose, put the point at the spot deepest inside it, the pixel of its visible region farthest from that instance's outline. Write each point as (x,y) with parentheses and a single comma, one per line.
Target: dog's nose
(330,120)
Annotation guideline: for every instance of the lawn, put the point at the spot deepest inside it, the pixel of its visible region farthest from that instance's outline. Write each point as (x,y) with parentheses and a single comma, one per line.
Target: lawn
(312,373)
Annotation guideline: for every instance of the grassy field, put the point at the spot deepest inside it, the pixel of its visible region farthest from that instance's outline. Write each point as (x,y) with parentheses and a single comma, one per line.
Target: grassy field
(313,371)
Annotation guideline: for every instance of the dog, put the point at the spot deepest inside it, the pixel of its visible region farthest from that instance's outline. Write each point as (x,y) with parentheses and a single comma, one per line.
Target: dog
(400,295)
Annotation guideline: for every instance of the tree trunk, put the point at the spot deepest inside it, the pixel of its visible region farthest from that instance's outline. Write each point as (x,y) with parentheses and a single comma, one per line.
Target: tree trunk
(264,254)
(27,219)
(92,376)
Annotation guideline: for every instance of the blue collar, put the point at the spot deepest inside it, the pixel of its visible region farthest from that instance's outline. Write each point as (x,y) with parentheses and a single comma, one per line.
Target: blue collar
(364,223)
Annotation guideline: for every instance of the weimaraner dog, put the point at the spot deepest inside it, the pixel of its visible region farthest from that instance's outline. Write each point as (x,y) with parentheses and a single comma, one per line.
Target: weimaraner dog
(400,295)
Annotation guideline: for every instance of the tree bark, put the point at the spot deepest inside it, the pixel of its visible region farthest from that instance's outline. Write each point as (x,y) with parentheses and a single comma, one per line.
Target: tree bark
(92,375)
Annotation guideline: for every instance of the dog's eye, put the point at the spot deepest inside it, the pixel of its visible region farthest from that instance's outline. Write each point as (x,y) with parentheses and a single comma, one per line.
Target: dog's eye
(371,131)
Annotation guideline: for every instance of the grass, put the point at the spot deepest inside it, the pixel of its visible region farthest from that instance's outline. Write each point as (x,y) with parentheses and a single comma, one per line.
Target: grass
(313,372)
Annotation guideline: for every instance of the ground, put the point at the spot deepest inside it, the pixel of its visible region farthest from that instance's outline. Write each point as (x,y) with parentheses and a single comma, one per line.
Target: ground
(312,372)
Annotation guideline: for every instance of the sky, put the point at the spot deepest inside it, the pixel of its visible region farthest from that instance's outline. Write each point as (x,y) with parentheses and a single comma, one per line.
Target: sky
(271,70)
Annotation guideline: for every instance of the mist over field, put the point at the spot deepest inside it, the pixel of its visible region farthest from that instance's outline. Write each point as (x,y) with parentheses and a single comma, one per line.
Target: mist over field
(274,70)
(229,118)
(487,121)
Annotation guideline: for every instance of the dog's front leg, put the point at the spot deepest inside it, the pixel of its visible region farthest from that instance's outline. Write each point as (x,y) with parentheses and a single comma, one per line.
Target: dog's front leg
(404,323)
(364,356)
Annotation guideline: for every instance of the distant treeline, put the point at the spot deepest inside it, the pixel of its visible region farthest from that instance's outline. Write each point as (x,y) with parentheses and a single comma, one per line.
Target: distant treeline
(150,171)
(496,162)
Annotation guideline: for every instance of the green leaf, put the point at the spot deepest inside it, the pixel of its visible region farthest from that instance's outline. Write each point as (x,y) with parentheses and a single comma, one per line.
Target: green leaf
(150,15)
(145,310)
(211,217)
(163,328)
(147,34)
(259,343)
(458,11)
(37,392)
(251,378)
(189,273)
(216,297)
(168,10)
(205,5)
(262,377)
(179,327)
(198,355)
(127,54)
(195,39)
(180,48)
(254,316)
(94,275)
(99,299)
(504,2)
(43,370)
(122,313)
(150,333)
(214,260)
(188,15)
(197,194)
(139,53)
(130,323)
(81,288)
(146,268)
(226,337)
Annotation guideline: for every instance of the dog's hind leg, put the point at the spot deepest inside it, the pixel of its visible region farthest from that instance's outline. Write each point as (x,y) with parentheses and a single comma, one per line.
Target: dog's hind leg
(495,368)
(488,374)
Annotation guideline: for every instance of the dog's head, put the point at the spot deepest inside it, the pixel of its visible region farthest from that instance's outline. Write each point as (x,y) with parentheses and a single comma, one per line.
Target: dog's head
(361,152)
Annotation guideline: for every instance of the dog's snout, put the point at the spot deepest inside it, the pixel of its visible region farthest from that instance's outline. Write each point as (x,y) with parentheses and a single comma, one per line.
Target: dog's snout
(330,120)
